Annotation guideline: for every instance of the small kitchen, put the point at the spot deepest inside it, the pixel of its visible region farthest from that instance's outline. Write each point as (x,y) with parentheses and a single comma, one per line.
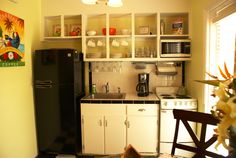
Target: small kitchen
(135,76)
(135,62)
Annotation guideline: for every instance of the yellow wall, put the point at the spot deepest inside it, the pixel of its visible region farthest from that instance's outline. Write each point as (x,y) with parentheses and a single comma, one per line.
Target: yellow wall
(17,127)
(17,124)
(195,70)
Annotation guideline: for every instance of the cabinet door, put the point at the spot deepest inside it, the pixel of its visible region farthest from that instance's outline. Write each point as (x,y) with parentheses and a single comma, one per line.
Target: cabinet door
(93,134)
(115,134)
(142,133)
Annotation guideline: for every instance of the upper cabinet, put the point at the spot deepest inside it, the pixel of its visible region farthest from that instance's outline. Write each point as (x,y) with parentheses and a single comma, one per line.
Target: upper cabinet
(123,36)
(174,25)
(174,35)
(145,37)
(94,41)
(62,27)
(120,37)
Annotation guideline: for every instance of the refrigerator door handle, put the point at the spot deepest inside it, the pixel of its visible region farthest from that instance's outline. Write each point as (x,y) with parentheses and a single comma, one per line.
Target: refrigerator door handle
(43,86)
(43,82)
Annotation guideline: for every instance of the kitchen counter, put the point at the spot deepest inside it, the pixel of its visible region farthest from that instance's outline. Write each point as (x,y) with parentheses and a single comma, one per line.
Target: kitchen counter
(130,98)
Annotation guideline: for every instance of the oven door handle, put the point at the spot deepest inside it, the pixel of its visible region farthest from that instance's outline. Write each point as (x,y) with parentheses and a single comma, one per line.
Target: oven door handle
(141,110)
(163,111)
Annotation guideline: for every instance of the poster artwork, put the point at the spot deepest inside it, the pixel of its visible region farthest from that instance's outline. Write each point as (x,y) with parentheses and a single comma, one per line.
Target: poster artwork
(12,49)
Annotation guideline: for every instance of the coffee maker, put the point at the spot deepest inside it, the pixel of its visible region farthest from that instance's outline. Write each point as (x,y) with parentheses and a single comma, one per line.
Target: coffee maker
(142,87)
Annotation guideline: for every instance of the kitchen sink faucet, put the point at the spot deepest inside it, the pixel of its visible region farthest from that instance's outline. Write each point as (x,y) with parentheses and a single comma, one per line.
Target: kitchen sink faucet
(107,87)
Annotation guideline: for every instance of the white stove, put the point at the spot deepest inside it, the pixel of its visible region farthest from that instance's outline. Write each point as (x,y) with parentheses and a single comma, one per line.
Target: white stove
(173,101)
(169,100)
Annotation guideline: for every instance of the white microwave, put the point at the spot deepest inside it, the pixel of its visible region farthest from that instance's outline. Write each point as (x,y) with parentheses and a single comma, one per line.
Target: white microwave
(173,48)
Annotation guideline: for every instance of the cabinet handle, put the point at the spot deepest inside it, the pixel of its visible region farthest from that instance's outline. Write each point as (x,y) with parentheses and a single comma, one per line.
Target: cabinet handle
(100,122)
(141,110)
(105,123)
(128,124)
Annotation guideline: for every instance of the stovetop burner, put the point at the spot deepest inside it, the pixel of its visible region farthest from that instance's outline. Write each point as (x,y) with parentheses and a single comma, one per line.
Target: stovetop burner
(168,97)
(183,97)
(165,95)
(173,96)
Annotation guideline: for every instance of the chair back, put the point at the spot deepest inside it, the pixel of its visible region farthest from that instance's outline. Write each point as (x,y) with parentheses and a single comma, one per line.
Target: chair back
(201,144)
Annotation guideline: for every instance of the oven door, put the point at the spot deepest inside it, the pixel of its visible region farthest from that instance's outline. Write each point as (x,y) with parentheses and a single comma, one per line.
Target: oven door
(167,127)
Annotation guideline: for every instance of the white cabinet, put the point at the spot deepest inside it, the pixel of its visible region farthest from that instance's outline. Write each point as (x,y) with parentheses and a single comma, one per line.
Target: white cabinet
(93,134)
(135,37)
(109,128)
(174,27)
(103,128)
(62,27)
(115,136)
(145,36)
(142,127)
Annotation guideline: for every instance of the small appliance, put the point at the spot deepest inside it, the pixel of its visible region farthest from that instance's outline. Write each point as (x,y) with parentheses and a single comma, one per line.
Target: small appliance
(175,48)
(142,87)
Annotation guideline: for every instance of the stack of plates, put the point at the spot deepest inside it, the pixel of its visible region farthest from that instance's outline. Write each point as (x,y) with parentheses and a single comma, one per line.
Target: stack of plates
(94,55)
(116,55)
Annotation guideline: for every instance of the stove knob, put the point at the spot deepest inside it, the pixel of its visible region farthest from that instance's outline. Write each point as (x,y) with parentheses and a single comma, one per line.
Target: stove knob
(180,103)
(164,103)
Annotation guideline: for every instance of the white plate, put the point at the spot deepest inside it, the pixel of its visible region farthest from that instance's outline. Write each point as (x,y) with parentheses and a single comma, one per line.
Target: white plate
(94,55)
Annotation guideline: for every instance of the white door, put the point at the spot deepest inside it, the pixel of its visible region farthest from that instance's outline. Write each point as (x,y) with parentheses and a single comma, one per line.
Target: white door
(115,134)
(142,133)
(93,134)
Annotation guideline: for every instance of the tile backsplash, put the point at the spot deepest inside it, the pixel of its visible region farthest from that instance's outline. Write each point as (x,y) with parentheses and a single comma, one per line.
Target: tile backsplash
(125,76)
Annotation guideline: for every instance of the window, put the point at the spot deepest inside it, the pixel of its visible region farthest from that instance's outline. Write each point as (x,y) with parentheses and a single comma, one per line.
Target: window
(221,44)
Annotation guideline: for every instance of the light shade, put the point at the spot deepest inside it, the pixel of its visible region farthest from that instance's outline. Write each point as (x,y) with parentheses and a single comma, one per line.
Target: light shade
(114,3)
(89,1)
(111,3)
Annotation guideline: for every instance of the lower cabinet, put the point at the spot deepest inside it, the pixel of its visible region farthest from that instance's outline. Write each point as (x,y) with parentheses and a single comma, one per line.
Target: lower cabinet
(142,127)
(93,134)
(109,128)
(103,128)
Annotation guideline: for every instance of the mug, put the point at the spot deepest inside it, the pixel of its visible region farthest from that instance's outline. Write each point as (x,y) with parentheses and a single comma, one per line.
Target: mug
(124,43)
(99,43)
(91,43)
(115,43)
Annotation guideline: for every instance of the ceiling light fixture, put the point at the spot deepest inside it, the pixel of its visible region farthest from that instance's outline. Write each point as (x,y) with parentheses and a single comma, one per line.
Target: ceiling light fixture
(111,3)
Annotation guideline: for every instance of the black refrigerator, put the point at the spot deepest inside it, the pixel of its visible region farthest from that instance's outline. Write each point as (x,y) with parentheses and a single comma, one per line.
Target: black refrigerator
(58,78)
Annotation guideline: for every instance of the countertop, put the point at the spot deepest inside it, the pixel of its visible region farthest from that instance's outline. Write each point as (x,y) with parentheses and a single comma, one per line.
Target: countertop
(129,98)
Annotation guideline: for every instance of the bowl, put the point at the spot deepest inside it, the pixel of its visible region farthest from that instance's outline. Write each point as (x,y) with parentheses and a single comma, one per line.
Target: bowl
(74,33)
(112,31)
(91,33)
(116,55)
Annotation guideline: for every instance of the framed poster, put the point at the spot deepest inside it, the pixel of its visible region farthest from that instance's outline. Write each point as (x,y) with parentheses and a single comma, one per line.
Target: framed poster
(12,48)
(75,30)
(57,30)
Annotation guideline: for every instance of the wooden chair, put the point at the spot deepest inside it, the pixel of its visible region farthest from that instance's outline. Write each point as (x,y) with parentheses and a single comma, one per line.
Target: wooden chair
(200,144)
